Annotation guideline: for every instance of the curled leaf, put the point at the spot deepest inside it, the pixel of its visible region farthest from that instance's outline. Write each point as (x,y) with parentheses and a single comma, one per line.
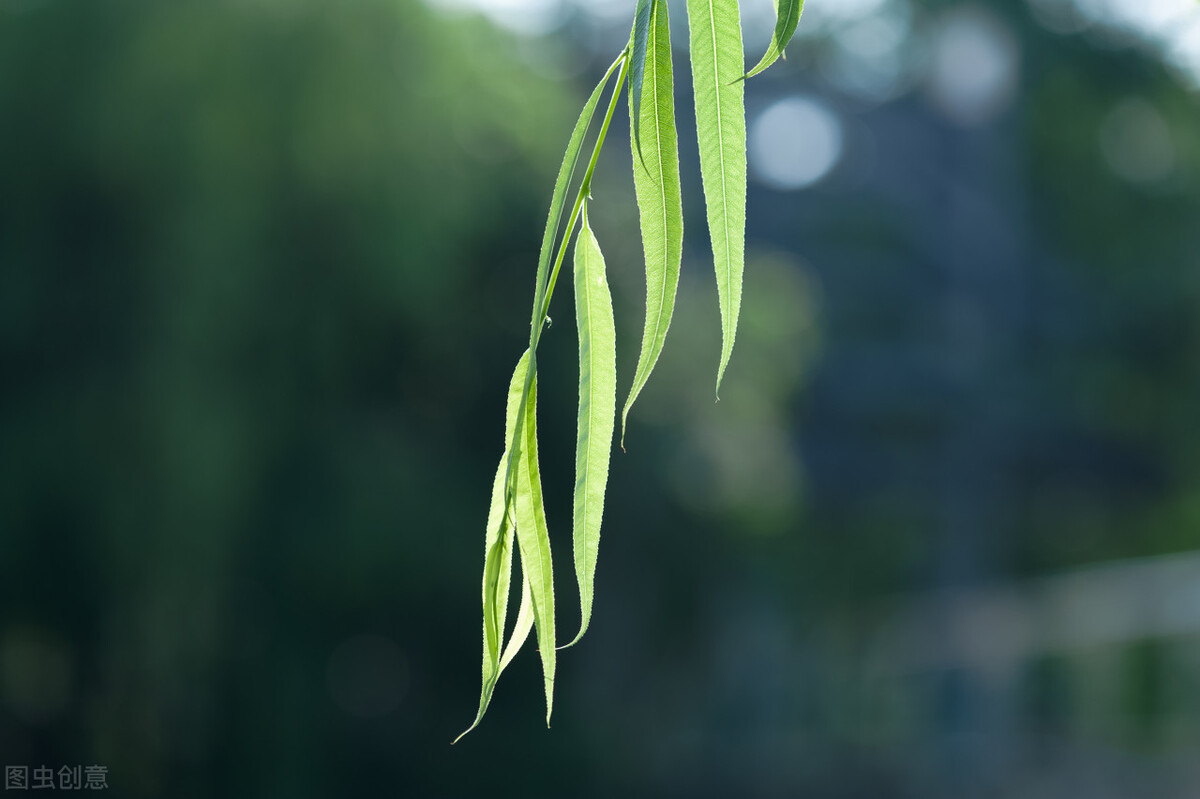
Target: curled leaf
(637,61)
(522,627)
(787,17)
(533,538)
(498,547)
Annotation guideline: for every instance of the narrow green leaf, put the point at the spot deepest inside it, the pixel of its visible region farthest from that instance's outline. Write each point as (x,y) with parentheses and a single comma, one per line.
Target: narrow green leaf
(545,280)
(716,54)
(554,219)
(533,538)
(787,17)
(597,408)
(498,546)
(639,37)
(660,204)
(523,626)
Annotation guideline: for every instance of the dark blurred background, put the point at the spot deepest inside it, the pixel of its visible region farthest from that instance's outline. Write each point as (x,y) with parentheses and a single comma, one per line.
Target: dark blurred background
(266,265)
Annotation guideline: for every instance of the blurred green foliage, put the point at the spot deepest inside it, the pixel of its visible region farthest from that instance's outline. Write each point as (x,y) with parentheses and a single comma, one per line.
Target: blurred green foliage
(246,250)
(264,272)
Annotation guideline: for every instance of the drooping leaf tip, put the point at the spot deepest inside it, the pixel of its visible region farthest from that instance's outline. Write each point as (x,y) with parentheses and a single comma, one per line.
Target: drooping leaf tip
(720,378)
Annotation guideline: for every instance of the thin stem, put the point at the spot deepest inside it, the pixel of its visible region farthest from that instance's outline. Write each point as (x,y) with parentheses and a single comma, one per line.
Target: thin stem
(540,316)
(585,187)
(539,293)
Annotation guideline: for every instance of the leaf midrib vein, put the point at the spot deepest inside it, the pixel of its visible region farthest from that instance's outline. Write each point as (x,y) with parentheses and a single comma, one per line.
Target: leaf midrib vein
(589,251)
(652,47)
(712,18)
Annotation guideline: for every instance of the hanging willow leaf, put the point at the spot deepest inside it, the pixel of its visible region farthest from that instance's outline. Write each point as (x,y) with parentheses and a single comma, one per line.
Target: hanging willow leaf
(517,519)
(660,204)
(637,61)
(597,408)
(716,54)
(534,540)
(517,488)
(544,285)
(522,627)
(498,546)
(558,198)
(787,16)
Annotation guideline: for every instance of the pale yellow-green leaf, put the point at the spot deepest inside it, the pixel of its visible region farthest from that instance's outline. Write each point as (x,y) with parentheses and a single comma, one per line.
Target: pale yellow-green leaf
(716,56)
(597,408)
(558,198)
(498,548)
(660,204)
(523,625)
(533,538)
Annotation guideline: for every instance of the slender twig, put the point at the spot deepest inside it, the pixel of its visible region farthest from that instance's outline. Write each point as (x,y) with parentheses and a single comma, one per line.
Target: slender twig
(585,186)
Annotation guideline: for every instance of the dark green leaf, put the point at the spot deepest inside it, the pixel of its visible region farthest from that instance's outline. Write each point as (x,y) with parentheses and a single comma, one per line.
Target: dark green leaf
(637,63)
